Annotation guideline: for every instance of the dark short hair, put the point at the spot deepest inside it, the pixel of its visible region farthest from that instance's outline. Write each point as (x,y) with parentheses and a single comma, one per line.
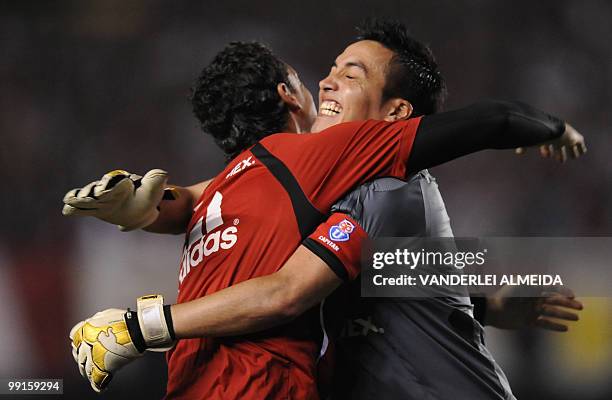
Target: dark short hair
(235,97)
(413,73)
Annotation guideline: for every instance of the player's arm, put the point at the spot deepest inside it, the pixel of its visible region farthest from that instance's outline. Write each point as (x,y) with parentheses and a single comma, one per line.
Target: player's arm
(312,272)
(259,303)
(174,214)
(134,202)
(112,338)
(490,125)
(355,152)
(104,343)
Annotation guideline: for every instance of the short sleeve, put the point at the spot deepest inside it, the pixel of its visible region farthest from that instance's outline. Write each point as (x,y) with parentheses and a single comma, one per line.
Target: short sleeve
(338,242)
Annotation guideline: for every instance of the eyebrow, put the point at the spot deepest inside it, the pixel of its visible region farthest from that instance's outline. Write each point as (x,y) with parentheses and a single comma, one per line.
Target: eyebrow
(357,64)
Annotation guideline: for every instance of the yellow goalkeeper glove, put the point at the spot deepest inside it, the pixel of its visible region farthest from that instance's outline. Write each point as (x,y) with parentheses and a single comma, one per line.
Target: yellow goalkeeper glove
(112,338)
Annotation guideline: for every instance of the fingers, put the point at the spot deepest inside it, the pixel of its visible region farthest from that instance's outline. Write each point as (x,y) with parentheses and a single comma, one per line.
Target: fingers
(98,197)
(156,172)
(155,178)
(114,189)
(74,330)
(69,211)
(75,353)
(559,290)
(545,323)
(81,352)
(75,341)
(78,197)
(558,312)
(97,378)
(578,149)
(563,302)
(87,191)
(70,195)
(84,360)
(570,143)
(554,308)
(80,201)
(153,184)
(110,180)
(561,155)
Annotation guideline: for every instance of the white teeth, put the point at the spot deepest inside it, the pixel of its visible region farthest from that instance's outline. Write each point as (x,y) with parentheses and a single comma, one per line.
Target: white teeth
(330,108)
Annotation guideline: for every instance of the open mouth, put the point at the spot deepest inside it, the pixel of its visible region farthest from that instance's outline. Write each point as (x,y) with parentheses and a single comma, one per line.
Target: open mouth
(330,108)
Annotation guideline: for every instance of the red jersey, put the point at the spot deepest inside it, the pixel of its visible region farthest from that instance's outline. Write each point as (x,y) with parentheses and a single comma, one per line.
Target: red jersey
(247,223)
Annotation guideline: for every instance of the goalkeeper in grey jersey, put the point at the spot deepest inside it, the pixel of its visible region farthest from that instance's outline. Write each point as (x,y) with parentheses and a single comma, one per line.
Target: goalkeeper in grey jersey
(407,348)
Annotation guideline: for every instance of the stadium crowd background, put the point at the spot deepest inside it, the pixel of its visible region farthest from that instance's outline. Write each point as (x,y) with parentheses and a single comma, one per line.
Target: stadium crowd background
(91,86)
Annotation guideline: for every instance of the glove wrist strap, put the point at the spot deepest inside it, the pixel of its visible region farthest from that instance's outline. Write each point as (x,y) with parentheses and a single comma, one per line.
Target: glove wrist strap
(131,321)
(156,329)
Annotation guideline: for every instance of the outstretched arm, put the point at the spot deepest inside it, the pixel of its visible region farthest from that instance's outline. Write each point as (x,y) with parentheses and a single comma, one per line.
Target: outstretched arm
(489,124)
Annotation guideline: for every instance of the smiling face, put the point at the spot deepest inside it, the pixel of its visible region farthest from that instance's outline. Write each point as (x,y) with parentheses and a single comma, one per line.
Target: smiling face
(353,90)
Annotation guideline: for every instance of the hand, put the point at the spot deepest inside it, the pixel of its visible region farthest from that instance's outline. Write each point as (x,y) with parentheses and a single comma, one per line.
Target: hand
(121,198)
(104,343)
(571,144)
(101,345)
(550,311)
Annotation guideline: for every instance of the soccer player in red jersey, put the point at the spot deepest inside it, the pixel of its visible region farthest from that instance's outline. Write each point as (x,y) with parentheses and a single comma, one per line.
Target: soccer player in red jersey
(273,195)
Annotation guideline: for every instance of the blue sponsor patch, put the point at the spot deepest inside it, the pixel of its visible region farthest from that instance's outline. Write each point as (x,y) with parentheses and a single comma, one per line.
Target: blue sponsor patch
(342,231)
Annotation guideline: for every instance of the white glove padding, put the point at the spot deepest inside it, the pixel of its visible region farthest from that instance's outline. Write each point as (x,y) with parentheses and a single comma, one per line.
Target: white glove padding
(104,343)
(121,198)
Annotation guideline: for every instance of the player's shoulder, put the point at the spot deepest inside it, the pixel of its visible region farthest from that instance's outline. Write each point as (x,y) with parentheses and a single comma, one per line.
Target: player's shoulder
(356,126)
(369,126)
(277,138)
(348,127)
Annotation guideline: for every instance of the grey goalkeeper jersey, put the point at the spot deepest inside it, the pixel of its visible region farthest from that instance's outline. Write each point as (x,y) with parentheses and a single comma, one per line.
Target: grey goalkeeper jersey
(407,348)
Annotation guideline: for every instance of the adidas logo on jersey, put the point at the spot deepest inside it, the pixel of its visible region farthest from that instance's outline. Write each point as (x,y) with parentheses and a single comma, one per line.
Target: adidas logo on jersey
(241,166)
(200,245)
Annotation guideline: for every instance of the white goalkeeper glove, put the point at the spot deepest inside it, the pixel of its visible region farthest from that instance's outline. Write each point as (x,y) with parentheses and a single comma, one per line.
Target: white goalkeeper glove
(121,198)
(112,338)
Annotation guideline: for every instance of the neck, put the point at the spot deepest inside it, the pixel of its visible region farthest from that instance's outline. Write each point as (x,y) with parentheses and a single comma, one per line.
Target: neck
(293,125)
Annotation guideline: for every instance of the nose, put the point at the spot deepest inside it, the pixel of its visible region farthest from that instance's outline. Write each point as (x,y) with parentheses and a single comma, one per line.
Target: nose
(328,84)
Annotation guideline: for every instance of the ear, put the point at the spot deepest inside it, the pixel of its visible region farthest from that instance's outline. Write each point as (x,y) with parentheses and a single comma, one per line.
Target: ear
(397,110)
(288,97)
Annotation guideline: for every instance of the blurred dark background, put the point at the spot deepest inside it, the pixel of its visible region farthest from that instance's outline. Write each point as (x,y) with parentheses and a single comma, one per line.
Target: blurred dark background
(90,86)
